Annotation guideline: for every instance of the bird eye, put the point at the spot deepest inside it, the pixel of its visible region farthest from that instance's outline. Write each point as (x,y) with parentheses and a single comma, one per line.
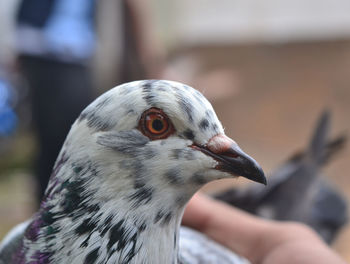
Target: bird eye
(155,124)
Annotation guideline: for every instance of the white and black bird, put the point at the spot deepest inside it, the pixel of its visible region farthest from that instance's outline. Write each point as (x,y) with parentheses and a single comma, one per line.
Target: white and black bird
(129,165)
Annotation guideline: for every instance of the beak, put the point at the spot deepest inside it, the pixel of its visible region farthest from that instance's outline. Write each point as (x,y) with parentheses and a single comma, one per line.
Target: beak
(232,159)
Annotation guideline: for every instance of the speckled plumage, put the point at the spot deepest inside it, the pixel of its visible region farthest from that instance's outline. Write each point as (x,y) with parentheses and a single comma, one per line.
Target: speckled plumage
(115,195)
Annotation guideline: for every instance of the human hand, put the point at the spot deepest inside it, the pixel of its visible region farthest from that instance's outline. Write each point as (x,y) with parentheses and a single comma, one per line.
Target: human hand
(259,240)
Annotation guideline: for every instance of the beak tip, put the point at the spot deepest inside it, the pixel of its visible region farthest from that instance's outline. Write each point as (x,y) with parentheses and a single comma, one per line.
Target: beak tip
(264,180)
(258,176)
(261,176)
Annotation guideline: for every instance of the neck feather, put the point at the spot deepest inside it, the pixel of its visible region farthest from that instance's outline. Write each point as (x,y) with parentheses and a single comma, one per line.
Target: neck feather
(76,222)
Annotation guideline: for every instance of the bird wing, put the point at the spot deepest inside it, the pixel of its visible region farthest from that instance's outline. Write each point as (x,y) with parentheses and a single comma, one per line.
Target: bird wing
(12,242)
(196,248)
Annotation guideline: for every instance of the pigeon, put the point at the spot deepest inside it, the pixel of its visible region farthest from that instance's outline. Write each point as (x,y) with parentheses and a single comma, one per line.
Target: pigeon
(130,163)
(297,191)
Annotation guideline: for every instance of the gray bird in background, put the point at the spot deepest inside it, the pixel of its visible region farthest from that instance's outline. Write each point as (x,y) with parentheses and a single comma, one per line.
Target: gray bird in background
(297,190)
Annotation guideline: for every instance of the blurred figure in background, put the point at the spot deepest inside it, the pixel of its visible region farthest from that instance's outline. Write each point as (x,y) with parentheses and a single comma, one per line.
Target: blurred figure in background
(56,42)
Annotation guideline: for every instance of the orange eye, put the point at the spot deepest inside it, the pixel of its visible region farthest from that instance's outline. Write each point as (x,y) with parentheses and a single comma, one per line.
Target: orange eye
(155,124)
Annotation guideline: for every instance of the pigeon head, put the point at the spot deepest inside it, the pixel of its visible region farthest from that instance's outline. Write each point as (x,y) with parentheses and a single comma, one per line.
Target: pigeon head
(149,135)
(130,163)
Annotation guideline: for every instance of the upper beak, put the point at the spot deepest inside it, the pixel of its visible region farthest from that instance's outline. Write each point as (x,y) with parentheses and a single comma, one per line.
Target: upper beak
(232,159)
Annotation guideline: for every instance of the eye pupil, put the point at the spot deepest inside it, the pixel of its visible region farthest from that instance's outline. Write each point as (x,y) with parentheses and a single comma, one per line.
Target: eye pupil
(157,125)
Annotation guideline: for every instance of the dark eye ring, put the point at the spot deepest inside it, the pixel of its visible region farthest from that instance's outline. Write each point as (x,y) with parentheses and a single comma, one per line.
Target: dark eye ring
(155,124)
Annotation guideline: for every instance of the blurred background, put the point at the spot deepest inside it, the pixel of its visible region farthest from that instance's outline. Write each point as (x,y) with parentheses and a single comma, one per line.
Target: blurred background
(268,67)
